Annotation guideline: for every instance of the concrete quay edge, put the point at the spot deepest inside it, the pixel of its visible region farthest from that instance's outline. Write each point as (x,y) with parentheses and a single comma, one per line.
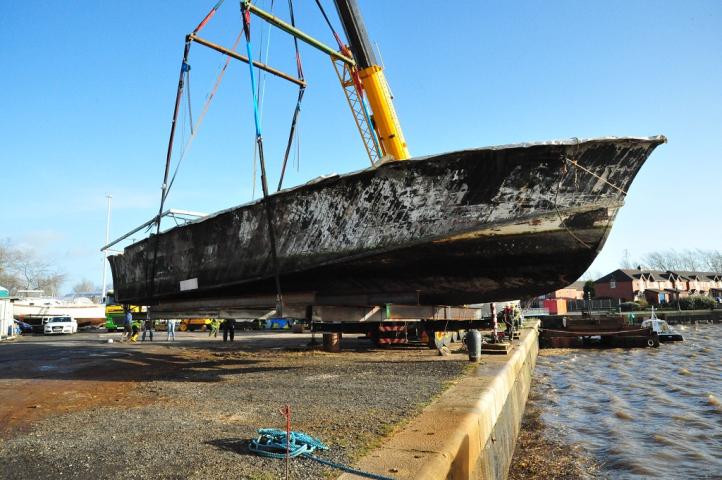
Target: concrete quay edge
(447,438)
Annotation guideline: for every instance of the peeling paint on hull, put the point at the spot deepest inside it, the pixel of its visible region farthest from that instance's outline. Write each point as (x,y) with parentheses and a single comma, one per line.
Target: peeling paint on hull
(462,227)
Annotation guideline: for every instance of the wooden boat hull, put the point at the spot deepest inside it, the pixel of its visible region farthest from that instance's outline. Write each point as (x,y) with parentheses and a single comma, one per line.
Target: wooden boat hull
(463,227)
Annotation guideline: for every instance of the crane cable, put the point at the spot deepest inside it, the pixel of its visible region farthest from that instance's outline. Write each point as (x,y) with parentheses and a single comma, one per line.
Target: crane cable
(185,67)
(356,78)
(261,89)
(297,110)
(341,45)
(246,17)
(206,106)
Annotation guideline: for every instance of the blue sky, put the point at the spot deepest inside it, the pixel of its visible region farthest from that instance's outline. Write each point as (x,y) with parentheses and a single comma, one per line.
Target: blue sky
(88,87)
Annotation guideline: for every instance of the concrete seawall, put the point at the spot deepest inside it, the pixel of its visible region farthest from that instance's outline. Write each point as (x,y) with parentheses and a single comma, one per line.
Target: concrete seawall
(470,431)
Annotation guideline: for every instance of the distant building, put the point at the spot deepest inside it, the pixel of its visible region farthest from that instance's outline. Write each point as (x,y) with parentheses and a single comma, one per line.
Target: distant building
(6,315)
(575,291)
(556,302)
(656,286)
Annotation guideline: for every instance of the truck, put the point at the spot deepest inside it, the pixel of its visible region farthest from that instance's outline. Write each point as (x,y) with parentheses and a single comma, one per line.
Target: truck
(114,314)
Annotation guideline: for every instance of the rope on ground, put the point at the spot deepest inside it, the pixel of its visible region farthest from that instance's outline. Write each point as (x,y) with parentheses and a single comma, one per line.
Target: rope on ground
(272,443)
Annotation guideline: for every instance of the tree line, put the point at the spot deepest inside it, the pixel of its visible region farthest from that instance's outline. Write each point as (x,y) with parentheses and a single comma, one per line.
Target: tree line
(24,269)
(696,259)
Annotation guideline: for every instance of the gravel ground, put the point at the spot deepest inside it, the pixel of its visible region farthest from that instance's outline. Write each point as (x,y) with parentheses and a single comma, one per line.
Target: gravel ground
(189,411)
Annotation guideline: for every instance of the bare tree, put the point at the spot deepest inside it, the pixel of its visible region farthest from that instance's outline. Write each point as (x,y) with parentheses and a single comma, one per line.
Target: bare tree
(590,275)
(680,260)
(22,269)
(710,260)
(626,261)
(85,286)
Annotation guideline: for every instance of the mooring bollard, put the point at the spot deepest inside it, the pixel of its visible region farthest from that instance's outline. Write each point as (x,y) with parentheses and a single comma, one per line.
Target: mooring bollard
(473,344)
(332,342)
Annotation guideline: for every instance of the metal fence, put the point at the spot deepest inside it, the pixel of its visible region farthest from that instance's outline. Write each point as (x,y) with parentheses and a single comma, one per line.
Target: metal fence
(599,305)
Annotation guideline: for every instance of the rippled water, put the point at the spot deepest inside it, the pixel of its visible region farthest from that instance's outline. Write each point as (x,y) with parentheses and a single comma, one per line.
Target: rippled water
(642,413)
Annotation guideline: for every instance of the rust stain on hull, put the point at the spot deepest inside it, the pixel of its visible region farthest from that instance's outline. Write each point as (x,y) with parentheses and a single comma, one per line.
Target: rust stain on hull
(457,228)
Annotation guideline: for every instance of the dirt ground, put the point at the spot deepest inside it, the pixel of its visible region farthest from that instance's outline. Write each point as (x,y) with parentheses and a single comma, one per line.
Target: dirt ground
(78,407)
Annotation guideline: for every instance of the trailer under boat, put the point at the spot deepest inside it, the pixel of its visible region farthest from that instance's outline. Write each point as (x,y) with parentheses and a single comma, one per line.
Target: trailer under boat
(458,228)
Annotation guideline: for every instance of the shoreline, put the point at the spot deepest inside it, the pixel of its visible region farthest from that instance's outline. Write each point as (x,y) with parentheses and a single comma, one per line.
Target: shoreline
(541,454)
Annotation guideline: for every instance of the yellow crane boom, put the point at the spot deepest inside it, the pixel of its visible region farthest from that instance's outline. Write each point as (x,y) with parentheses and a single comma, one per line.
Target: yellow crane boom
(373,81)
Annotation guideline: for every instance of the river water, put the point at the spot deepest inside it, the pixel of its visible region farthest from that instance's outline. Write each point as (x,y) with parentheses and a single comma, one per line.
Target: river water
(640,413)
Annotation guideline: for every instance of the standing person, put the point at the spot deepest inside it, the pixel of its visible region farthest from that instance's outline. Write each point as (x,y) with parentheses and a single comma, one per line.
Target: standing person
(148,327)
(229,328)
(135,331)
(215,325)
(127,322)
(507,317)
(171,329)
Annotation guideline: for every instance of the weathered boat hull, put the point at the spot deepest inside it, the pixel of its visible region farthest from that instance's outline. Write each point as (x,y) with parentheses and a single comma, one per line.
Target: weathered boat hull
(33,310)
(457,228)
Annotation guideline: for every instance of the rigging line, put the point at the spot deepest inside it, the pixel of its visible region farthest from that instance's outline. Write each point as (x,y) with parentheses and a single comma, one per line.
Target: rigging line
(297,110)
(169,153)
(298,151)
(299,67)
(246,16)
(208,17)
(556,208)
(206,107)
(291,134)
(188,96)
(574,163)
(261,94)
(328,22)
(262,76)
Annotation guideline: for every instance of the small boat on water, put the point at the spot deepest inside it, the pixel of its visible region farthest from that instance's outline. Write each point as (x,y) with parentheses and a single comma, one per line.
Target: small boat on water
(595,331)
(662,329)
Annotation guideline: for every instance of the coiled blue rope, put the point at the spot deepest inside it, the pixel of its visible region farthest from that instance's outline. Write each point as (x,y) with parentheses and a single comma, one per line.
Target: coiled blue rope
(272,443)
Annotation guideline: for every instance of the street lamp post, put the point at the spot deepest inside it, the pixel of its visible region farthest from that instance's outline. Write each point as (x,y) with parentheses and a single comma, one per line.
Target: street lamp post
(105,252)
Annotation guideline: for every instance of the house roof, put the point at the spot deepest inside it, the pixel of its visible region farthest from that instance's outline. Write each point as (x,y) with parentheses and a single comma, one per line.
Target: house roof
(631,274)
(622,274)
(578,285)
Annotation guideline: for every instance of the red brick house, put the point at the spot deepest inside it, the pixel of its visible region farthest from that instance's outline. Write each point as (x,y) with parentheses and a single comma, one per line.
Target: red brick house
(656,286)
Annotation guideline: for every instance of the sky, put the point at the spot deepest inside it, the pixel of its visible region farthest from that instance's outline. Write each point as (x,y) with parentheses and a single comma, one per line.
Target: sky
(88,87)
